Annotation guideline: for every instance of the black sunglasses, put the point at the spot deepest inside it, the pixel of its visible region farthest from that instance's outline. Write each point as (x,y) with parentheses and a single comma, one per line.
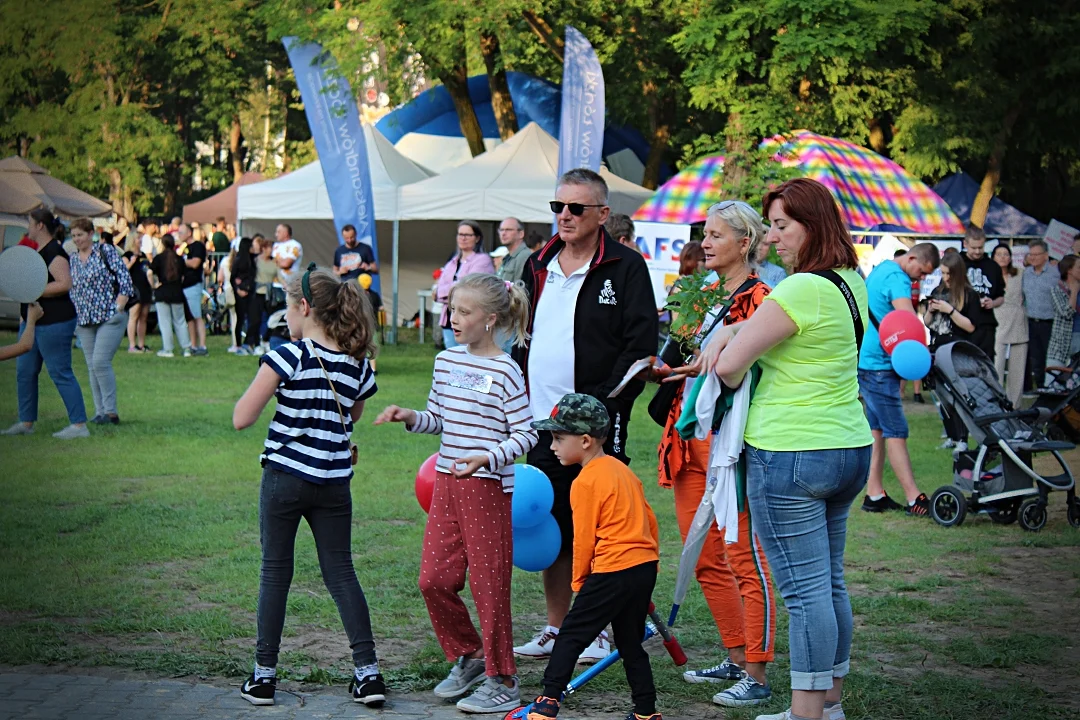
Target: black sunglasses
(576,209)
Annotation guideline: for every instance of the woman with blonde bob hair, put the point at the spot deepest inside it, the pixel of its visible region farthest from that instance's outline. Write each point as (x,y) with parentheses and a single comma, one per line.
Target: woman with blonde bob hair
(808,443)
(733,577)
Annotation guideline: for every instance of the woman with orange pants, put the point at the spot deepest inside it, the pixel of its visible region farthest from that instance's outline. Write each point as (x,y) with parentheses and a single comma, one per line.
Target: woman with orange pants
(734,578)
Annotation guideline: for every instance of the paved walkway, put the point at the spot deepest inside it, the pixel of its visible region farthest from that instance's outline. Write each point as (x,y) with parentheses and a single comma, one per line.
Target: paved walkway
(89,697)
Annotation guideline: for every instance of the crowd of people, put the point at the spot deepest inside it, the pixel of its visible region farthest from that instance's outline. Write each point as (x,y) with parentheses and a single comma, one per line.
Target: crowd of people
(786,373)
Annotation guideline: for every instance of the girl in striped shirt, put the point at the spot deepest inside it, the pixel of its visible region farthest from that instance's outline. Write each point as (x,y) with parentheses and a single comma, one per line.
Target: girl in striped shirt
(479,405)
(321,381)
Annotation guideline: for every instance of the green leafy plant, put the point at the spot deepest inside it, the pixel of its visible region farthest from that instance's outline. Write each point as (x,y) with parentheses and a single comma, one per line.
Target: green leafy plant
(690,300)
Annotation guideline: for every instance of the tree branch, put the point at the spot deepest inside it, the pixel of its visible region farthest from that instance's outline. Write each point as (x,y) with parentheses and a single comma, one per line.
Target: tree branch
(543,31)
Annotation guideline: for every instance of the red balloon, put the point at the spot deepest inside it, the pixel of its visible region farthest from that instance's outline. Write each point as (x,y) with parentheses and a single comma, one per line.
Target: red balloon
(898,326)
(425,482)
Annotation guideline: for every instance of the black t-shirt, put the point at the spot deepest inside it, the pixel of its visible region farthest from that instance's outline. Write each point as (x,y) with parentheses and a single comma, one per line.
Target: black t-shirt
(171,292)
(194,276)
(376,301)
(138,274)
(346,257)
(986,280)
(58,308)
(942,328)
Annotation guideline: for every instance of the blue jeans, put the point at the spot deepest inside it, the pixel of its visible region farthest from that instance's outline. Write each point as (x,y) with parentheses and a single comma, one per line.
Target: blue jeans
(284,500)
(799,502)
(52,346)
(880,391)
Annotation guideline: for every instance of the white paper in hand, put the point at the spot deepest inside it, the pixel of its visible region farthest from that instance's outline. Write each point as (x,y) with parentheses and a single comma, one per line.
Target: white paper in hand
(23,274)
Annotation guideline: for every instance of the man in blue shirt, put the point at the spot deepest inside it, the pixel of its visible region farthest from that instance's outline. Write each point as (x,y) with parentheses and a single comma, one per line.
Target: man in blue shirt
(888,288)
(353,257)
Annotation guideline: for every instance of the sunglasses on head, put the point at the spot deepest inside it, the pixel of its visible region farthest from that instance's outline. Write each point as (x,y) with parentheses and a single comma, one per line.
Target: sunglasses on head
(576,209)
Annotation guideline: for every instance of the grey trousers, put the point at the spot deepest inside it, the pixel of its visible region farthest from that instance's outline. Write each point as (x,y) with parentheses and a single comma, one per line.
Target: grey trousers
(170,318)
(99,345)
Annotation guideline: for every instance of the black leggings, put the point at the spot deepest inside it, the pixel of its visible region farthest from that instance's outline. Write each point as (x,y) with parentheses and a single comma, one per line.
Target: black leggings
(284,500)
(243,316)
(256,308)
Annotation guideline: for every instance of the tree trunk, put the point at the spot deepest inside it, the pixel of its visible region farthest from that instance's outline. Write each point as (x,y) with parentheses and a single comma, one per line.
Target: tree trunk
(237,152)
(736,146)
(661,117)
(993,169)
(119,195)
(542,29)
(456,81)
(501,102)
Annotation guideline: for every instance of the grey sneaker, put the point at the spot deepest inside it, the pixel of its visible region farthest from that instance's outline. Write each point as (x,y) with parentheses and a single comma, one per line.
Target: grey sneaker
(724,672)
(747,691)
(72,431)
(492,697)
(19,428)
(465,673)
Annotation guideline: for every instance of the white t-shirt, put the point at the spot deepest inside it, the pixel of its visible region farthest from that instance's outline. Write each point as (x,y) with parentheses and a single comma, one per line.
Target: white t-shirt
(551,349)
(290,248)
(146,245)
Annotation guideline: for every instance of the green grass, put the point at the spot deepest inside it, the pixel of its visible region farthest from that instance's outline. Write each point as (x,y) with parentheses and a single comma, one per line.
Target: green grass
(139,549)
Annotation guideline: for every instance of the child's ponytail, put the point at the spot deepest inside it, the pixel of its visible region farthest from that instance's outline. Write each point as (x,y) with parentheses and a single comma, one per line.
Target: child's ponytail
(506,300)
(342,310)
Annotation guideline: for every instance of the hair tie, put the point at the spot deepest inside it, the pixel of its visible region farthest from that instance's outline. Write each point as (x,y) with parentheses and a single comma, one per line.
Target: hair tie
(509,285)
(305,283)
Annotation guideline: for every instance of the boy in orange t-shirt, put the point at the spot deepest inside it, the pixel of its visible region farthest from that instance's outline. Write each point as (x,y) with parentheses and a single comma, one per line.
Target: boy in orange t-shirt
(616,550)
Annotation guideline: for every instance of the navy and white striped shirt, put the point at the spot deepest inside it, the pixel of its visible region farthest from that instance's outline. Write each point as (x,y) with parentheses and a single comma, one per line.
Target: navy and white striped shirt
(306,438)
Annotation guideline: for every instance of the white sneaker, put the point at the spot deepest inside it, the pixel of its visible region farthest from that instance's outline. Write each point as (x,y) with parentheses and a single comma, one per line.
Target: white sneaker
(836,712)
(233,349)
(72,431)
(539,647)
(19,428)
(165,354)
(597,651)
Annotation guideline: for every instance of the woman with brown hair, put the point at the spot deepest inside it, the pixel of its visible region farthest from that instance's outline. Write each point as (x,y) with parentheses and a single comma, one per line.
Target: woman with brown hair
(1010,342)
(807,441)
(734,577)
(52,339)
(468,259)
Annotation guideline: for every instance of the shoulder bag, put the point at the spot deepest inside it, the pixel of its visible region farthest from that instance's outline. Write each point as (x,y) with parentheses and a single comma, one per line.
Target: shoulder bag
(354,452)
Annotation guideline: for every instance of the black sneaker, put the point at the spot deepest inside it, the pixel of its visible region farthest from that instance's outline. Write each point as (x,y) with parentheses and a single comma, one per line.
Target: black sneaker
(918,398)
(371,690)
(259,691)
(880,505)
(921,506)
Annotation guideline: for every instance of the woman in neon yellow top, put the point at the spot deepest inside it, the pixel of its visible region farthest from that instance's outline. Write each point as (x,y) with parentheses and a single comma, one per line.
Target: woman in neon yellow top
(807,441)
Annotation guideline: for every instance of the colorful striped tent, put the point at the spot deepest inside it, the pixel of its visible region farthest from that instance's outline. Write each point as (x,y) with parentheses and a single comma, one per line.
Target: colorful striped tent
(870,190)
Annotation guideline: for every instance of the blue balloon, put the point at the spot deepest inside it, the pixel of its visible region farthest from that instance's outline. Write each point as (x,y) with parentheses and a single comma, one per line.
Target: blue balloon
(911,360)
(532,498)
(536,547)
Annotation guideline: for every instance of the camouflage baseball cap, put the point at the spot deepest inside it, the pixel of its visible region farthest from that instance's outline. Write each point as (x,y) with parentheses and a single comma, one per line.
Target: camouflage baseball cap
(577,414)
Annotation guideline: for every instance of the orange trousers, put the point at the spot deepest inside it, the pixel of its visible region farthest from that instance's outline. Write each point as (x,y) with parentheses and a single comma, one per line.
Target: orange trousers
(735,578)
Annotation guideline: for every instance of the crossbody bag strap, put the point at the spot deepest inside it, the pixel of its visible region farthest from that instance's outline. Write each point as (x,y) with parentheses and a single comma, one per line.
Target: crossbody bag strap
(726,305)
(853,307)
(105,261)
(341,413)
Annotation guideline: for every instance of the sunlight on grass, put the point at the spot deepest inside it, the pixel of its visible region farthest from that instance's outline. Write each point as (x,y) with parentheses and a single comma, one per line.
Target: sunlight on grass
(139,549)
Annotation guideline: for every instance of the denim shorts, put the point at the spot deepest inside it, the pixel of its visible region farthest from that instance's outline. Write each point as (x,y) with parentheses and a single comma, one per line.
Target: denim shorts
(193,297)
(880,391)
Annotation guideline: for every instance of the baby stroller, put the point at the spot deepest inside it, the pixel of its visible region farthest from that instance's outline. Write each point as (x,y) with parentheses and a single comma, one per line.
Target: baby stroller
(1061,398)
(215,314)
(997,472)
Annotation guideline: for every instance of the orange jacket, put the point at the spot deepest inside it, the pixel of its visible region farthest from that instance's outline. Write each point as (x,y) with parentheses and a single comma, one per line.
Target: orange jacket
(614,527)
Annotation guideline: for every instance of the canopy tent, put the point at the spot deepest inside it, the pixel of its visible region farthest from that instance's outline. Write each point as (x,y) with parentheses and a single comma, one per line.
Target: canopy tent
(25,186)
(870,189)
(222,204)
(427,129)
(302,194)
(959,191)
(517,178)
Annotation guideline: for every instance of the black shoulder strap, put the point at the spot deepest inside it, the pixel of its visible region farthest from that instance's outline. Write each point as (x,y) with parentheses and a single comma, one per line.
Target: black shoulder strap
(853,307)
(726,306)
(105,260)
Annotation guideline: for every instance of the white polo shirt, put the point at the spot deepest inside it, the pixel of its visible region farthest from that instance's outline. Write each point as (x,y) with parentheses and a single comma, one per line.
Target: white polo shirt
(551,349)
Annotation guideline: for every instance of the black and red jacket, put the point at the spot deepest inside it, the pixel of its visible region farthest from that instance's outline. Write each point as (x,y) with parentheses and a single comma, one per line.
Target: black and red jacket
(615,322)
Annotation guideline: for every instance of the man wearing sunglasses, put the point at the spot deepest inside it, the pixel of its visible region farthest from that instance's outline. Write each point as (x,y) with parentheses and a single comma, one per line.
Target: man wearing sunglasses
(593,316)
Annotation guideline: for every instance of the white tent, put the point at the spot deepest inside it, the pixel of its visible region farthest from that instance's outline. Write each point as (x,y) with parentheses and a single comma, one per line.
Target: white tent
(301,195)
(516,178)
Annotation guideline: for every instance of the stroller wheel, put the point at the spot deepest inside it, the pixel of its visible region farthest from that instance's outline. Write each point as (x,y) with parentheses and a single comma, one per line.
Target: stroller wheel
(1032,514)
(948,506)
(1074,513)
(1005,516)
